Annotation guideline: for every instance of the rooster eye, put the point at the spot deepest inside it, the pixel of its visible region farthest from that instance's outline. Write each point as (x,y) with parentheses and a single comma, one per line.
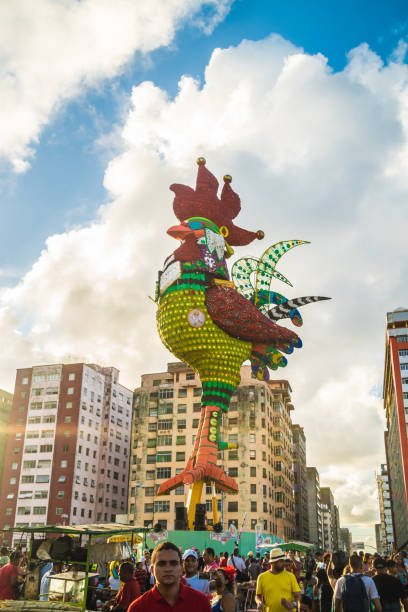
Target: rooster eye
(194,225)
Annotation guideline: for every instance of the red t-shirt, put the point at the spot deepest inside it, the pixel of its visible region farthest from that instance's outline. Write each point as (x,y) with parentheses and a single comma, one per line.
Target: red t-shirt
(188,599)
(223,562)
(6,573)
(128,592)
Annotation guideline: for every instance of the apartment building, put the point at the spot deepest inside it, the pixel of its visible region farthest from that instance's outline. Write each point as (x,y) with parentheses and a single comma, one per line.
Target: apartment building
(299,469)
(395,394)
(67,457)
(6,403)
(166,413)
(346,540)
(314,507)
(384,502)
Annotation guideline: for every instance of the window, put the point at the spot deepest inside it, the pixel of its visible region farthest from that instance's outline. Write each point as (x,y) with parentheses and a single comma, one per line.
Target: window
(165,409)
(25,495)
(181,424)
(233,472)
(67,419)
(41,494)
(62,478)
(70,391)
(164,472)
(161,506)
(182,408)
(14,465)
(163,457)
(182,393)
(49,418)
(252,472)
(27,479)
(30,449)
(24,510)
(12,481)
(150,474)
(190,376)
(164,440)
(165,393)
(47,433)
(60,494)
(28,465)
(33,434)
(233,454)
(165,424)
(52,391)
(150,458)
(39,510)
(42,478)
(180,440)
(181,456)
(59,511)
(34,420)
(197,407)
(232,506)
(151,427)
(50,405)
(68,405)
(148,507)
(197,392)
(24,381)
(46,448)
(252,454)
(44,463)
(151,442)
(153,411)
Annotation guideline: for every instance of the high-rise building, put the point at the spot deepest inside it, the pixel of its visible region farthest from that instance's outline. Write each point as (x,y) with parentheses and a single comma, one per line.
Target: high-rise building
(346,540)
(330,519)
(395,395)
(6,402)
(314,507)
(378,539)
(336,529)
(299,469)
(67,458)
(167,409)
(384,501)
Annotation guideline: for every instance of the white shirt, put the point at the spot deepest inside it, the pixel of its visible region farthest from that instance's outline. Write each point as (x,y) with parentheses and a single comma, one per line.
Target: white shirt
(239,563)
(368,582)
(198,584)
(114,583)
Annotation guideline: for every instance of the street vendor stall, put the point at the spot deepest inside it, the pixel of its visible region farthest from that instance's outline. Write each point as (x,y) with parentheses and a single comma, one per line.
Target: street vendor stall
(72,587)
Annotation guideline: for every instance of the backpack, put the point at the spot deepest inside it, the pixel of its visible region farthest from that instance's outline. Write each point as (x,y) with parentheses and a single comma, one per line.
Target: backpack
(240,576)
(354,595)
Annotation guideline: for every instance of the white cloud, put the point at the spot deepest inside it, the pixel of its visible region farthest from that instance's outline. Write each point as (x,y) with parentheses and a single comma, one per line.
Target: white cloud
(55,52)
(314,155)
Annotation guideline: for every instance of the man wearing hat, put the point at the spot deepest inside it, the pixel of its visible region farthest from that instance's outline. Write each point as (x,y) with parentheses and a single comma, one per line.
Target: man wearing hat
(277,590)
(190,566)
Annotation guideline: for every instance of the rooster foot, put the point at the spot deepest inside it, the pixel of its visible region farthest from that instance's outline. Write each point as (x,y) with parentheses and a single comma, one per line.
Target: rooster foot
(202,471)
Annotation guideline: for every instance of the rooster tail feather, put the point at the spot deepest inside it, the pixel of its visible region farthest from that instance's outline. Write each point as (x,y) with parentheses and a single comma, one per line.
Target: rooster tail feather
(289,308)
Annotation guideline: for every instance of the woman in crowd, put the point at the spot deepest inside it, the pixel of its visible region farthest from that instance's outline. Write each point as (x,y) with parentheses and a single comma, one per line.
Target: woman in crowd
(224,599)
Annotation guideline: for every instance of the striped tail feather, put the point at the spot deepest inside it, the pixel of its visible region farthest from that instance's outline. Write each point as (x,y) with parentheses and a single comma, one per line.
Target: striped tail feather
(283,311)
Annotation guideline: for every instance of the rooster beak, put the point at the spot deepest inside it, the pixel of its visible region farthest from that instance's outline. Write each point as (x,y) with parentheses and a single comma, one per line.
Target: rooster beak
(230,250)
(179,232)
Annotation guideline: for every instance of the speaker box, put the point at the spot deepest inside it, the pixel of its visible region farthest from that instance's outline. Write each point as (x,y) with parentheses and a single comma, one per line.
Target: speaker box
(200,517)
(181,522)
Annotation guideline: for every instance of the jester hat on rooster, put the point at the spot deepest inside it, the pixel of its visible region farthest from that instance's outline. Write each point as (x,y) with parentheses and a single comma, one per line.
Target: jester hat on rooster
(204,202)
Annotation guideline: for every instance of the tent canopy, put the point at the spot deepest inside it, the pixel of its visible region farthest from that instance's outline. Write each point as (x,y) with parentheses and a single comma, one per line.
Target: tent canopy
(97,530)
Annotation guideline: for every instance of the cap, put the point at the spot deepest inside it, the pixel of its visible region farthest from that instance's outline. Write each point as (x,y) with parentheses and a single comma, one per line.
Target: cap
(276,554)
(190,553)
(380,563)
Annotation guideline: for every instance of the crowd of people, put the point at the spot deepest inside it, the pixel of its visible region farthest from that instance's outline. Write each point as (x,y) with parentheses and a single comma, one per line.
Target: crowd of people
(167,578)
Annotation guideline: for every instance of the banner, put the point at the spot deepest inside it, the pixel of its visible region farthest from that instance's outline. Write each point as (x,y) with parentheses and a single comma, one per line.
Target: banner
(224,536)
(126,538)
(158,537)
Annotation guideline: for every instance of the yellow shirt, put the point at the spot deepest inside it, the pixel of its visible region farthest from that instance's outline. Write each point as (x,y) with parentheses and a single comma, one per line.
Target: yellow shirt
(273,587)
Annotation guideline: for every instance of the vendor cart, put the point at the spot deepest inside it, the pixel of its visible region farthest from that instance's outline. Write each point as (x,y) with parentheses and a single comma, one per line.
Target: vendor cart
(71,589)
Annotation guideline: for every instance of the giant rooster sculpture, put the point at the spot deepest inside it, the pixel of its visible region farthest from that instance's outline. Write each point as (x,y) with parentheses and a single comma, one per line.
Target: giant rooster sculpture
(214,325)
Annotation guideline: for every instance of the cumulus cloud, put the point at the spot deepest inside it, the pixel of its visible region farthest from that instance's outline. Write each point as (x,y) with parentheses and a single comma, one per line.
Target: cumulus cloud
(55,52)
(315,155)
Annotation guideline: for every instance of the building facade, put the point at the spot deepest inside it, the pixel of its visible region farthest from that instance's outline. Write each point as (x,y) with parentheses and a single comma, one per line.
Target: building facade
(314,507)
(166,414)
(299,469)
(346,540)
(67,458)
(331,519)
(395,394)
(6,403)
(384,502)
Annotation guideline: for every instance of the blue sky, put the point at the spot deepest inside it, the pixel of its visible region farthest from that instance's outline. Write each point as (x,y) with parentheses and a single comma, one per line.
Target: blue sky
(317,152)
(64,186)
